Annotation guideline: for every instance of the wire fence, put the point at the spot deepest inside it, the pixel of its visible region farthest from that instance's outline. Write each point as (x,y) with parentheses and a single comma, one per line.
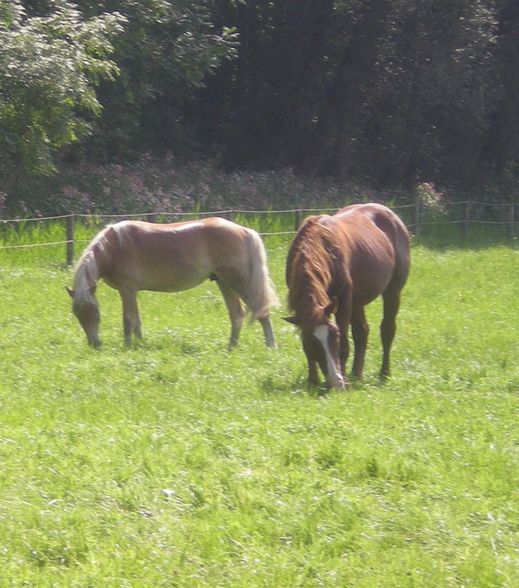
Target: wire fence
(419,219)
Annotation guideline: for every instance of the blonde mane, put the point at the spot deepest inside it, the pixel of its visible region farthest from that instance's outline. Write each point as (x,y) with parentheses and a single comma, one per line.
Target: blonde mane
(309,273)
(87,267)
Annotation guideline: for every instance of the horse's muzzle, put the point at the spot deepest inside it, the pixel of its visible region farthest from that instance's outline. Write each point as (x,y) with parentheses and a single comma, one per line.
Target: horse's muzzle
(336,382)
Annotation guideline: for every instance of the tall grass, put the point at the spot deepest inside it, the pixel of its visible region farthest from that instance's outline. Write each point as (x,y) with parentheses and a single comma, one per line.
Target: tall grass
(43,240)
(177,463)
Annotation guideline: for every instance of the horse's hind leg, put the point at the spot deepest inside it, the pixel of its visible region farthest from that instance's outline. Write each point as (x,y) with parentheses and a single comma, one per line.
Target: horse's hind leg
(388,327)
(236,312)
(360,332)
(137,330)
(233,297)
(131,318)
(268,332)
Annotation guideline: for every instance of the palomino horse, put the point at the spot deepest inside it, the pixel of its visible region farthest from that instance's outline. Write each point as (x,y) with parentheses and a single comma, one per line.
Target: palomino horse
(133,255)
(337,265)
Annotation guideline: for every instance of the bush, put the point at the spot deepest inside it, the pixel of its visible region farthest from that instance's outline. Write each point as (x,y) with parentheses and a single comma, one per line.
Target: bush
(170,185)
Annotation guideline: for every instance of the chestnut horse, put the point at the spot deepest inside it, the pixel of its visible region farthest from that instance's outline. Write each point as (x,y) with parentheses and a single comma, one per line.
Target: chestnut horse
(133,255)
(336,266)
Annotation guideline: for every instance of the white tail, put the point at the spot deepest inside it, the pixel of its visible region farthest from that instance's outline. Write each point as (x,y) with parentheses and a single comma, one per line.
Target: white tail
(262,295)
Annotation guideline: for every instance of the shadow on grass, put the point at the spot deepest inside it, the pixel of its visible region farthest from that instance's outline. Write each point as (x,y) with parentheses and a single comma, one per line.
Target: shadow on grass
(179,346)
(296,385)
(300,385)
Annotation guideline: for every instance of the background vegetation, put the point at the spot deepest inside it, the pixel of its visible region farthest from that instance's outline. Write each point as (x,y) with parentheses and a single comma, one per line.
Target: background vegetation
(373,95)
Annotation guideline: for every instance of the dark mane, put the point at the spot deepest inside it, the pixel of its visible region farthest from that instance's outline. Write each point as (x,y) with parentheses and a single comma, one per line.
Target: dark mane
(309,272)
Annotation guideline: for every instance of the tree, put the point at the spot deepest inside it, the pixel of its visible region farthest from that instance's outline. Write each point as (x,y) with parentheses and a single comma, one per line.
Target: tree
(433,87)
(385,92)
(49,69)
(258,107)
(501,154)
(168,49)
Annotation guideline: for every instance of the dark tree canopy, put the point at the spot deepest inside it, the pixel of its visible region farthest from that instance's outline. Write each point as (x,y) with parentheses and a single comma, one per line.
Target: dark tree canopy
(384,93)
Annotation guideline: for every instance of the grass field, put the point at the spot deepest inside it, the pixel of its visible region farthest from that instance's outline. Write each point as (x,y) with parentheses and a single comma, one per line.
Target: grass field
(177,463)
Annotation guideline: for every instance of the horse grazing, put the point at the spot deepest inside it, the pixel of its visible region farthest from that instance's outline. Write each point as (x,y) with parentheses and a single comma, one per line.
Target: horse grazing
(336,266)
(133,255)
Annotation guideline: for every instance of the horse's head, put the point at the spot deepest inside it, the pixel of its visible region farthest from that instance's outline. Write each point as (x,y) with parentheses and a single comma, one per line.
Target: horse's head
(86,311)
(321,344)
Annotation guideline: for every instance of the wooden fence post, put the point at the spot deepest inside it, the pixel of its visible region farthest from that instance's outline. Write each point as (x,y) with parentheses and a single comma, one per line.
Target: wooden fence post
(511,221)
(466,219)
(417,217)
(298,219)
(70,239)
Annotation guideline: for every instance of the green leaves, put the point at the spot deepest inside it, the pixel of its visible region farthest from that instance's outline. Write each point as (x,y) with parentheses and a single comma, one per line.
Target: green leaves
(49,67)
(166,53)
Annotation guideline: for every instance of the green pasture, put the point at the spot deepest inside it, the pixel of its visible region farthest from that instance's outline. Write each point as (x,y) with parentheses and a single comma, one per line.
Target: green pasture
(179,464)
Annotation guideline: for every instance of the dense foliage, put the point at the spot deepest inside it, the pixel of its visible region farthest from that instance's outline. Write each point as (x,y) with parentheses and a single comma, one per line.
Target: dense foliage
(49,66)
(378,93)
(384,91)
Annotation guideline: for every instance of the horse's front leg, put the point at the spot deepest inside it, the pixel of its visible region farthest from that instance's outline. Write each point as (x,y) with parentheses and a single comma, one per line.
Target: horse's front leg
(344,350)
(131,318)
(360,332)
(137,330)
(313,373)
(342,318)
(313,370)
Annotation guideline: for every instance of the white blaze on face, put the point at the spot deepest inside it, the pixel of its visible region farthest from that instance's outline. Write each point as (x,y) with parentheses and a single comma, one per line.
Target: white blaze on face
(334,376)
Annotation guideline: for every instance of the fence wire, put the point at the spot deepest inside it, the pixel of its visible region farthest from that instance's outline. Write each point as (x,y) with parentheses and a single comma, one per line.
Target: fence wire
(465,212)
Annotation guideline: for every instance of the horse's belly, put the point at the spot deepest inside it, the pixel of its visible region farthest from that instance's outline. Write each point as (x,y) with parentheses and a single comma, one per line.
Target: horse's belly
(172,278)
(367,287)
(171,283)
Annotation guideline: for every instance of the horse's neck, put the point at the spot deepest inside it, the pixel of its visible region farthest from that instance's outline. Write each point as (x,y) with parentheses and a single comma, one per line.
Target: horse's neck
(309,287)
(326,276)
(88,272)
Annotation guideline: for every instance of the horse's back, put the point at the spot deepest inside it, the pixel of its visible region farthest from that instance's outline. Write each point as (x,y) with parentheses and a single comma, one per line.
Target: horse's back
(210,234)
(379,245)
(173,256)
(371,219)
(382,216)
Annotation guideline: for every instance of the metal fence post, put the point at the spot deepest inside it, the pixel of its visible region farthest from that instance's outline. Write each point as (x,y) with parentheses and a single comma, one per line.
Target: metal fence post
(70,238)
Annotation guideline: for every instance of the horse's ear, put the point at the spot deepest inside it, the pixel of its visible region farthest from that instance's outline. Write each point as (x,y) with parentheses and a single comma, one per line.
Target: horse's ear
(291,319)
(70,291)
(332,307)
